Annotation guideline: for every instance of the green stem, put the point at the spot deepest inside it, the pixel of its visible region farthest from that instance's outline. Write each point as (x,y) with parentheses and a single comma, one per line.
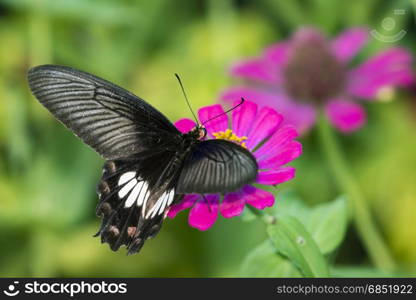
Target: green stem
(265,217)
(376,248)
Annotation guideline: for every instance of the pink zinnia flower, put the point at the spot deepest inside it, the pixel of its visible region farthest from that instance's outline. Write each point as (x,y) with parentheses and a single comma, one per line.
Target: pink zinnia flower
(271,143)
(308,71)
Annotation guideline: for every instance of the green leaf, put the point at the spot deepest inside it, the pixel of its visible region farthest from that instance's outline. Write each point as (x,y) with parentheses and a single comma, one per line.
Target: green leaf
(293,241)
(290,204)
(264,261)
(328,223)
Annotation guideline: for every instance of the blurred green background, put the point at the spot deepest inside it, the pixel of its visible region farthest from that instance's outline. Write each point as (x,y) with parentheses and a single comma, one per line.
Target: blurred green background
(48,177)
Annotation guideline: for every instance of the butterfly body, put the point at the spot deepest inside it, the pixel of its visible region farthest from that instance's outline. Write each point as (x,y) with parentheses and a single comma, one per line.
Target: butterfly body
(150,165)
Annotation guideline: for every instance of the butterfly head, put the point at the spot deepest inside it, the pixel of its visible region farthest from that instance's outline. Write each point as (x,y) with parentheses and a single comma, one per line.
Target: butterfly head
(200,132)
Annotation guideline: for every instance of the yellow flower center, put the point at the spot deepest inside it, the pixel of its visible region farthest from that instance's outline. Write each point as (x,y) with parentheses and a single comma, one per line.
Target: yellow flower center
(230,136)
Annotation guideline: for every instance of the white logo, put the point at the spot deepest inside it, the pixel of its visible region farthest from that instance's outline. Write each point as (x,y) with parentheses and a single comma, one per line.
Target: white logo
(388,24)
(11,291)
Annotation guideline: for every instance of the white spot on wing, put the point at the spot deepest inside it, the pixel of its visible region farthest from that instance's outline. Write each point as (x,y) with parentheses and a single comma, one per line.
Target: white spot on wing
(127,188)
(134,194)
(171,196)
(143,194)
(168,201)
(161,203)
(126,177)
(146,197)
(155,207)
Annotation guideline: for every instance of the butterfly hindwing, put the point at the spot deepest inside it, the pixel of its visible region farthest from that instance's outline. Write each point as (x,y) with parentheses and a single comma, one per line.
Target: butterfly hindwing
(217,166)
(133,204)
(110,119)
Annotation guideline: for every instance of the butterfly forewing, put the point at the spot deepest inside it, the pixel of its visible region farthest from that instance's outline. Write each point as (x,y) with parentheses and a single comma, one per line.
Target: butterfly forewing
(111,120)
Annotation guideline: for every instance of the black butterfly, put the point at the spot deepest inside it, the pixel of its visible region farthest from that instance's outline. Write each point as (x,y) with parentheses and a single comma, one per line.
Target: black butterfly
(150,165)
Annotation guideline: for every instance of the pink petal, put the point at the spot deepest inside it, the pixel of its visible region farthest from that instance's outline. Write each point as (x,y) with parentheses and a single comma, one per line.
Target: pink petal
(220,123)
(345,115)
(267,68)
(277,54)
(185,125)
(280,155)
(255,69)
(273,177)
(243,118)
(391,56)
(258,198)
(349,43)
(204,213)
(265,124)
(186,202)
(258,96)
(302,116)
(282,136)
(232,205)
(390,68)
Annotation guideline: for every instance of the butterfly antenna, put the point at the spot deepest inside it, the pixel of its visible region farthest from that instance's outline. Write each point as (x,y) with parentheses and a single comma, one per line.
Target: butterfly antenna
(226,112)
(186,98)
